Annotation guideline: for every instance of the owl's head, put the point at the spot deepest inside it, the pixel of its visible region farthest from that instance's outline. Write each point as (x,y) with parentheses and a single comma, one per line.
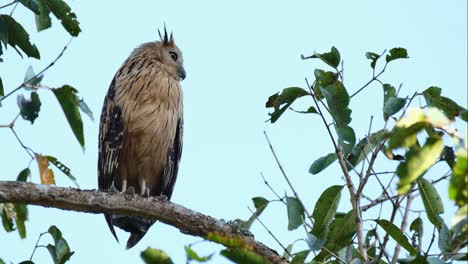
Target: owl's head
(170,54)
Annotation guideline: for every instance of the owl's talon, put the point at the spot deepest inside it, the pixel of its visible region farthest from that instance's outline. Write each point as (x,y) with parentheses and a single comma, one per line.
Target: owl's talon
(146,193)
(113,190)
(163,198)
(129,193)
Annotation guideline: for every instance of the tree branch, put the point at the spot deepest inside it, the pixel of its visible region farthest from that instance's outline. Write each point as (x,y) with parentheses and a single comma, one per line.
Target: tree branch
(93,201)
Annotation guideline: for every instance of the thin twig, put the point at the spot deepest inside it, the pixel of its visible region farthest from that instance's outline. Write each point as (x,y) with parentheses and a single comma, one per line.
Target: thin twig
(354,199)
(404,224)
(14,8)
(374,77)
(386,237)
(381,245)
(27,149)
(271,189)
(270,233)
(39,73)
(432,241)
(7,5)
(36,246)
(283,172)
(384,199)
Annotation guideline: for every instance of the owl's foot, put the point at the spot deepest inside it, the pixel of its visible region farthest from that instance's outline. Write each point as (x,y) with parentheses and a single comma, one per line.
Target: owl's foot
(113,190)
(129,193)
(163,198)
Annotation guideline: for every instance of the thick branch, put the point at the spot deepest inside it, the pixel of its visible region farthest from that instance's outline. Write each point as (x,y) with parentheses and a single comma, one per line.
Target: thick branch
(92,201)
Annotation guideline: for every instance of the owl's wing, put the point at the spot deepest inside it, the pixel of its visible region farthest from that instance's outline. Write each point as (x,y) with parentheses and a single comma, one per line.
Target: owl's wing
(111,136)
(172,165)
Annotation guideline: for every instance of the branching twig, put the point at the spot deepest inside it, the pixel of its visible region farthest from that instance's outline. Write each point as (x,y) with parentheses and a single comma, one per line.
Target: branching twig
(7,5)
(355,199)
(384,199)
(39,73)
(283,172)
(404,224)
(92,201)
(374,77)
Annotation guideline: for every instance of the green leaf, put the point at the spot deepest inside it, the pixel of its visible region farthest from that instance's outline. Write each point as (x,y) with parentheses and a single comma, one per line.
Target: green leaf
(192,255)
(24,175)
(431,200)
(63,168)
(418,228)
(371,247)
(85,109)
(3,262)
(389,92)
(2,92)
(323,79)
(321,163)
(295,213)
(281,102)
(300,257)
(66,95)
(331,58)
(7,220)
(435,260)
(418,161)
(337,100)
(243,256)
(445,238)
(393,105)
(30,79)
(373,57)
(155,256)
(405,137)
(21,215)
(60,251)
(433,97)
(397,235)
(325,210)
(31,5)
(43,19)
(287,252)
(397,53)
(363,148)
(29,109)
(260,204)
(314,242)
(16,36)
(346,139)
(341,234)
(458,185)
(63,12)
(310,110)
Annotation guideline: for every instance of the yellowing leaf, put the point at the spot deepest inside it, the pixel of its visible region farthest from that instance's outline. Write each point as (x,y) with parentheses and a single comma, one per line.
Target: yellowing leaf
(46,174)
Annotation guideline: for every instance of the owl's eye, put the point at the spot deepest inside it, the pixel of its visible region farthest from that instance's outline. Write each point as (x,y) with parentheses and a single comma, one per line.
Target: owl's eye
(173,55)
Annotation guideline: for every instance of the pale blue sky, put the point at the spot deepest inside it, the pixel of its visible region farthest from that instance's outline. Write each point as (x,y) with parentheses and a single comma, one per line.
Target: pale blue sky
(236,55)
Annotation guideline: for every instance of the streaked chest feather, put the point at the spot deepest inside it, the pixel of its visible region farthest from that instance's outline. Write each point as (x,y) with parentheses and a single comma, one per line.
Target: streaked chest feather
(151,103)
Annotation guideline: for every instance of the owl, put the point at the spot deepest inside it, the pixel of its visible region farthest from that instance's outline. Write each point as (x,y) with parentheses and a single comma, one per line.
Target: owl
(140,135)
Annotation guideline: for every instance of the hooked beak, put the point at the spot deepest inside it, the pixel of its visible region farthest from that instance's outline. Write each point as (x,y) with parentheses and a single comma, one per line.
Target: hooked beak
(182,73)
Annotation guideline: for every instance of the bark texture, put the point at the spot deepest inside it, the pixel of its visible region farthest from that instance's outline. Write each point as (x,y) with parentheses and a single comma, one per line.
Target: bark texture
(93,201)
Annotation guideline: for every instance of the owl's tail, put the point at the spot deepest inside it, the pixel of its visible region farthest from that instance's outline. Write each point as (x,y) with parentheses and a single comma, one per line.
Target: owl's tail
(134,239)
(137,226)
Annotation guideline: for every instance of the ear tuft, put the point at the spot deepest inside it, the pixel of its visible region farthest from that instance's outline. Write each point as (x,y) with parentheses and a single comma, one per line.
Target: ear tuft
(165,39)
